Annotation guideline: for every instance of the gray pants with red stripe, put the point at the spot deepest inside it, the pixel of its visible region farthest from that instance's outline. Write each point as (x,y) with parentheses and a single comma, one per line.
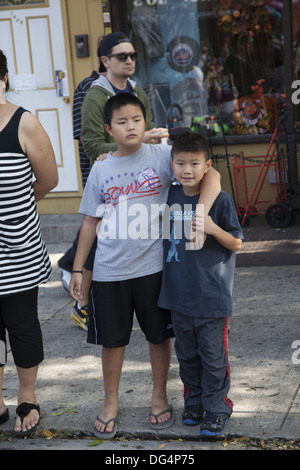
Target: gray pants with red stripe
(202,350)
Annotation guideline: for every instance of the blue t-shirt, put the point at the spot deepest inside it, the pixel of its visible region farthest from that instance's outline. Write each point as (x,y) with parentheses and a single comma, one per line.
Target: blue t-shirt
(198,283)
(128,88)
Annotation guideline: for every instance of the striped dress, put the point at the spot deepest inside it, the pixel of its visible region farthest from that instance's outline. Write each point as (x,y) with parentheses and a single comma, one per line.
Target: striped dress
(24,261)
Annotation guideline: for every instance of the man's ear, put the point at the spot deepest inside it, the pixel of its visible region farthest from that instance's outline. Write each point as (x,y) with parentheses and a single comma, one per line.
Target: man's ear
(104,60)
(108,129)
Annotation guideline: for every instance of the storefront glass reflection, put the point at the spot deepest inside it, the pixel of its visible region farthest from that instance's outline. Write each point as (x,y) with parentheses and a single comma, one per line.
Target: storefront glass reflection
(211,58)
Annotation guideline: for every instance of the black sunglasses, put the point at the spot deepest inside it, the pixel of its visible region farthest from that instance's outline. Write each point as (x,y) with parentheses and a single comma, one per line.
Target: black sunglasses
(123,56)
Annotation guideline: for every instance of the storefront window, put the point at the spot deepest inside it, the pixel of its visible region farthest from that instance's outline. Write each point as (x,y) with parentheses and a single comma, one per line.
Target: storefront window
(223,59)
(296,57)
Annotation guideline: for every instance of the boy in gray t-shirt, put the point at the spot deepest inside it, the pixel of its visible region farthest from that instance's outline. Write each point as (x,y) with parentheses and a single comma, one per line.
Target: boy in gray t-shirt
(125,193)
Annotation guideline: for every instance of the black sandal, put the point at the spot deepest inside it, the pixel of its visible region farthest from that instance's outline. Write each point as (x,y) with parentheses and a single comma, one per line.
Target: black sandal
(22,411)
(4,417)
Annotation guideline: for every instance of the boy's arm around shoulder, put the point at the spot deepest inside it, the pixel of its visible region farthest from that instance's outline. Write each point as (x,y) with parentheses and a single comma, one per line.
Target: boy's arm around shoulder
(210,189)
(226,239)
(224,225)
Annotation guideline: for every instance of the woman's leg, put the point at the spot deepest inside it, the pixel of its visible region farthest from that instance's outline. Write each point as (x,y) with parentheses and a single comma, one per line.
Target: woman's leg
(2,404)
(27,379)
(20,316)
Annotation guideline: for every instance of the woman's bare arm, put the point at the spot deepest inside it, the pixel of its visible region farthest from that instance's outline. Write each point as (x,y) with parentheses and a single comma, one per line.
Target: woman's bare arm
(36,144)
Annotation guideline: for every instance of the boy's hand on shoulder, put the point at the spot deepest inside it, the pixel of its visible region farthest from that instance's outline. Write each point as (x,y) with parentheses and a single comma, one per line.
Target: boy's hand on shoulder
(226,239)
(197,236)
(155,135)
(209,225)
(101,157)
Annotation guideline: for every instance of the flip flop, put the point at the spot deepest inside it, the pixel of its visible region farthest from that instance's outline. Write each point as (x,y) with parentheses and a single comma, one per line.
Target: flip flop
(22,411)
(164,424)
(104,434)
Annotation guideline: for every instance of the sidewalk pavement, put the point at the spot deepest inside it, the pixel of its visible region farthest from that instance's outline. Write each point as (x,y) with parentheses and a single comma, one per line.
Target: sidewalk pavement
(264,349)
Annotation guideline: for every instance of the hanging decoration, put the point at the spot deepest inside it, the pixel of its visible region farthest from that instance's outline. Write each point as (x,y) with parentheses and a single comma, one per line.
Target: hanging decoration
(256,113)
(247,16)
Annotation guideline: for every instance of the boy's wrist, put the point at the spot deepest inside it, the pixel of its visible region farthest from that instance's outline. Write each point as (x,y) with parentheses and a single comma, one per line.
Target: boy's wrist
(80,271)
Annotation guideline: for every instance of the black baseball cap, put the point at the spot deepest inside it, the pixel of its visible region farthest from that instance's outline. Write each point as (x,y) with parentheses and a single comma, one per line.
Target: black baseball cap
(108,42)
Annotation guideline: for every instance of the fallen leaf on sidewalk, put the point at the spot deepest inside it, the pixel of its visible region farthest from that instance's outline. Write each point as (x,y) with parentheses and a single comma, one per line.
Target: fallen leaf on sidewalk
(161,446)
(58,413)
(49,434)
(95,443)
(67,408)
(236,440)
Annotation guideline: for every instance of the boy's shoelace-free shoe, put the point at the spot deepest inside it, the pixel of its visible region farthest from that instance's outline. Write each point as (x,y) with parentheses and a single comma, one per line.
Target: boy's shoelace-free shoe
(212,425)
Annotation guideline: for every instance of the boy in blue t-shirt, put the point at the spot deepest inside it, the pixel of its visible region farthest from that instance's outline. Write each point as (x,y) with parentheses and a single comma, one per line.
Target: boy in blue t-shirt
(197,287)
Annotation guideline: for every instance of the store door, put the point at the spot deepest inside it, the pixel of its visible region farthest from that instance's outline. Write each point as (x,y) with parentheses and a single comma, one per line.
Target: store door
(32,39)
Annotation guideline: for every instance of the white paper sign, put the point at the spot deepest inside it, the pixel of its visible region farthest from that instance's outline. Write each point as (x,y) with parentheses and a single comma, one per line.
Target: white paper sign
(25,82)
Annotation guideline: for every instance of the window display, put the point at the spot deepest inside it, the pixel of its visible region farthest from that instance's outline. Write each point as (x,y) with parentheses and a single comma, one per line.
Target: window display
(220,58)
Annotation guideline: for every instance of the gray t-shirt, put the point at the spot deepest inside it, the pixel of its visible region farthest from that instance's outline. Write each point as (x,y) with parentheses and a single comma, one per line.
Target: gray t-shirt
(129,194)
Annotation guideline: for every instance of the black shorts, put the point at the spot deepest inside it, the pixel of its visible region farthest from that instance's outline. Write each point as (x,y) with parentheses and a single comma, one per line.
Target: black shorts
(111,309)
(19,317)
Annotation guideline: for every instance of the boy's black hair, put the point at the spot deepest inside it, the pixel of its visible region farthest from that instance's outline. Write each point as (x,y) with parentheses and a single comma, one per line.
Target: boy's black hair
(118,101)
(190,142)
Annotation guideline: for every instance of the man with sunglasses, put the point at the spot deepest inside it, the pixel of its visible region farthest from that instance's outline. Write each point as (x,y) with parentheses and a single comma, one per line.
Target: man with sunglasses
(117,65)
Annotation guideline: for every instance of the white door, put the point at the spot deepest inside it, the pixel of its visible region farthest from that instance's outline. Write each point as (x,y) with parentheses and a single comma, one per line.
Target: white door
(33,41)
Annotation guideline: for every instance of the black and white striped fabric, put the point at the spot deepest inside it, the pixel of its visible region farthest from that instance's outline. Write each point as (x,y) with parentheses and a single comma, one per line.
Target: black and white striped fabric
(24,261)
(78,98)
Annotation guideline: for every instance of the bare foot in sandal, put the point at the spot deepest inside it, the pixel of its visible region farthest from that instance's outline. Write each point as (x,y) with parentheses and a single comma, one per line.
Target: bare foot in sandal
(162,419)
(28,415)
(105,424)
